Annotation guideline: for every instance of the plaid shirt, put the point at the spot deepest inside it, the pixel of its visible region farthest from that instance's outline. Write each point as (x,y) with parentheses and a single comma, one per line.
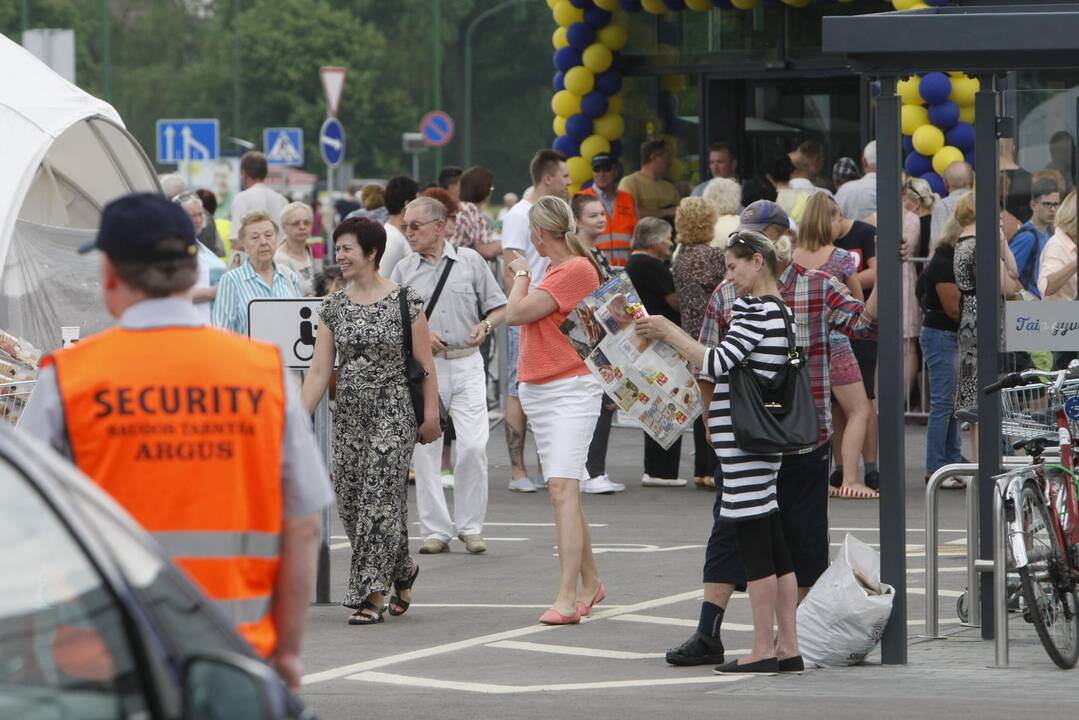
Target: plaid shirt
(820,304)
(471,227)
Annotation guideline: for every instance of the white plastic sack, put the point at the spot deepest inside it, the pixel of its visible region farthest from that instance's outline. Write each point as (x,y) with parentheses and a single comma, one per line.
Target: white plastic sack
(843,617)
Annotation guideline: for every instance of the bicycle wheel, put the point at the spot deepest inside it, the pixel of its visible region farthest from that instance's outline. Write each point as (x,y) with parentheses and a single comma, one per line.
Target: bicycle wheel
(1049,592)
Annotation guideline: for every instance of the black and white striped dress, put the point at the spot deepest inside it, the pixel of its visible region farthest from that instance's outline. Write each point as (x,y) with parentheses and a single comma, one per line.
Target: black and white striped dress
(756,330)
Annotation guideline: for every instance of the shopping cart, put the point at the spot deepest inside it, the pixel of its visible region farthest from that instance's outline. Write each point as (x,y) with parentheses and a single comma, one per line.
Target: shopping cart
(13,398)
(1029,412)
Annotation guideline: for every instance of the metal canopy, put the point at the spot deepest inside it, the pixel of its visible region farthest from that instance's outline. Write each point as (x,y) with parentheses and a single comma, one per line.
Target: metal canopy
(976,39)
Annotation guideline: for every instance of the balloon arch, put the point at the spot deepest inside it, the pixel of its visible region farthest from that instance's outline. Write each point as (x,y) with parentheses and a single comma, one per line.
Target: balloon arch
(938,108)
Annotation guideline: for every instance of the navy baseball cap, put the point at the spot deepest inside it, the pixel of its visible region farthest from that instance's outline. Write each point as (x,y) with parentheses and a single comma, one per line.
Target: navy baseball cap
(134,226)
(603,161)
(762,213)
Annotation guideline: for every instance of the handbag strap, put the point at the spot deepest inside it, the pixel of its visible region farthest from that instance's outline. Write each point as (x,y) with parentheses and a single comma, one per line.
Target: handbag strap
(793,356)
(438,288)
(406,326)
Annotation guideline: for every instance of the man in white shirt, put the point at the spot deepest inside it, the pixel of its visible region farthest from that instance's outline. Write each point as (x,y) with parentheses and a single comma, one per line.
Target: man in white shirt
(399,192)
(959,180)
(255,195)
(550,176)
(857,199)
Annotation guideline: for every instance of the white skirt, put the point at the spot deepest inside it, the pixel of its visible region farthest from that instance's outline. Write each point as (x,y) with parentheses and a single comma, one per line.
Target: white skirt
(562,415)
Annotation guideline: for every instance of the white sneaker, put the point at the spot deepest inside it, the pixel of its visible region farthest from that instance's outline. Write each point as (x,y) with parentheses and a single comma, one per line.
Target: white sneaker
(522,485)
(601,485)
(447,479)
(649,481)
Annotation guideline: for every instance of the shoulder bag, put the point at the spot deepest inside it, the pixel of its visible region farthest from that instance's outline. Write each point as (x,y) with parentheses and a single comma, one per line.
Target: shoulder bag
(776,415)
(415,373)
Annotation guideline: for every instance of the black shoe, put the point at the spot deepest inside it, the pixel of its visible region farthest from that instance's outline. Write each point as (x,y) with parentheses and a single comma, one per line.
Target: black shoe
(836,478)
(768,666)
(698,650)
(792,665)
(872,480)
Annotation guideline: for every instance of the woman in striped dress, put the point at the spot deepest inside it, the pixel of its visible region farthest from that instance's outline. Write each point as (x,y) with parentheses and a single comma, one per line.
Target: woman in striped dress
(757,337)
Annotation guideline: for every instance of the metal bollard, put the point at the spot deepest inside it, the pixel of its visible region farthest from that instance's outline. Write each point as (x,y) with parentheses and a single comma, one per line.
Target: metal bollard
(1000,580)
(323,423)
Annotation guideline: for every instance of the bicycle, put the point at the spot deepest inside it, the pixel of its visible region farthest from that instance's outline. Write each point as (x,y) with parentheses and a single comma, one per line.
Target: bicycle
(1041,504)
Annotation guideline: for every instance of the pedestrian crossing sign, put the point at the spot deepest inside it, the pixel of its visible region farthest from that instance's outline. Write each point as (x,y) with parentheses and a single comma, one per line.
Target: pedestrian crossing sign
(283,146)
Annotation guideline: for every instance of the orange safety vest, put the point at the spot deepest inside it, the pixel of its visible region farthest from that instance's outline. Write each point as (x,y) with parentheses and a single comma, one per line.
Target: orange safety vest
(190,444)
(616,240)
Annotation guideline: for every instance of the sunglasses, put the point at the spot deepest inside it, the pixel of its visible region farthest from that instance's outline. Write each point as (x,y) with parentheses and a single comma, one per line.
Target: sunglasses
(414,226)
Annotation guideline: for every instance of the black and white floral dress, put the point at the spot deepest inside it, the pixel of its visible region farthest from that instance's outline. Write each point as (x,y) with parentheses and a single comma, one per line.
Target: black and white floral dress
(374,431)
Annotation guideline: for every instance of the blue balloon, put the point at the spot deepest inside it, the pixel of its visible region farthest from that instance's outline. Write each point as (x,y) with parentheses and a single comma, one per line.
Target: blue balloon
(616,61)
(935,87)
(597,17)
(936,182)
(944,115)
(936,3)
(567,146)
(630,5)
(908,145)
(616,149)
(580,35)
(961,136)
(918,164)
(566,58)
(594,104)
(609,82)
(725,4)
(587,184)
(580,3)
(972,159)
(578,127)
(675,4)
(559,81)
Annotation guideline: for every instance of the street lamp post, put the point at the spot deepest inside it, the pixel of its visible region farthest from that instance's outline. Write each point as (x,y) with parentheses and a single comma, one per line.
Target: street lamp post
(468,72)
(106,52)
(436,40)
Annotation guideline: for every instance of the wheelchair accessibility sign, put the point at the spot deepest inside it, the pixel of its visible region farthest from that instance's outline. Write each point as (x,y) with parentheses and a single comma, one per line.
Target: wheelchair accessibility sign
(290,324)
(1071,408)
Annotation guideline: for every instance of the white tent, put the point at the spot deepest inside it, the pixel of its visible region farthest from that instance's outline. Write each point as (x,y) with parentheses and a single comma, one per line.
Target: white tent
(65,154)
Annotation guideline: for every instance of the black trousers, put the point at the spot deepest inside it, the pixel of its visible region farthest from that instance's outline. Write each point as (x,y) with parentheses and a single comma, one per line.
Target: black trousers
(660,463)
(802,493)
(704,457)
(596,463)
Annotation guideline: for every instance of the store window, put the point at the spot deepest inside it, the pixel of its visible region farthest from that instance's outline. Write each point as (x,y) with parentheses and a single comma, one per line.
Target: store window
(689,38)
(664,106)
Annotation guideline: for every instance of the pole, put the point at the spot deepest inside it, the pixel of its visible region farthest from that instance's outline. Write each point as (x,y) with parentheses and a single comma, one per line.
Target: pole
(236,68)
(987,269)
(416,167)
(322,434)
(106,53)
(328,214)
(24,16)
(436,40)
(893,521)
(468,75)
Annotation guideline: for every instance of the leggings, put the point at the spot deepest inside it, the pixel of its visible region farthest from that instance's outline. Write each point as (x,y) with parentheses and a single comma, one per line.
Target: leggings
(763,547)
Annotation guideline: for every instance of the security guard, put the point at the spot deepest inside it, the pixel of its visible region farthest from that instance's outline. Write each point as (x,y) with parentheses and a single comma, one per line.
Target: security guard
(214,458)
(618,206)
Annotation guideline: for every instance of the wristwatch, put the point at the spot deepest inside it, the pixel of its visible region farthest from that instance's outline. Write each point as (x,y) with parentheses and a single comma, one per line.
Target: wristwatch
(523,273)
(487,324)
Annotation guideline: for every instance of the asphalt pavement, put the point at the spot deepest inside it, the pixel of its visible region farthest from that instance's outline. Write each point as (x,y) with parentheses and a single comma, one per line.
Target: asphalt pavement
(470,646)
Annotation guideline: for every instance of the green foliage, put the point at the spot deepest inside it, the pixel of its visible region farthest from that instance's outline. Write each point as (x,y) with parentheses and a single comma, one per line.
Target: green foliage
(174,58)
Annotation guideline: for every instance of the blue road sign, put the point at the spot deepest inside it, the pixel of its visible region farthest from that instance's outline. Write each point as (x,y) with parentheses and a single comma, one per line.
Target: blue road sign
(436,128)
(331,141)
(283,146)
(187,139)
(1071,408)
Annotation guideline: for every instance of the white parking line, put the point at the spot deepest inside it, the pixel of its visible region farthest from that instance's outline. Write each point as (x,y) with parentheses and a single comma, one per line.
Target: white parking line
(530,524)
(940,593)
(571,650)
(492,689)
(496,606)
(345,544)
(680,622)
(877,529)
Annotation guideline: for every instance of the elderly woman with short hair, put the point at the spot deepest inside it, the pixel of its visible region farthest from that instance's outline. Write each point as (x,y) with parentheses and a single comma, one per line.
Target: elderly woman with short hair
(650,250)
(698,267)
(297,219)
(726,196)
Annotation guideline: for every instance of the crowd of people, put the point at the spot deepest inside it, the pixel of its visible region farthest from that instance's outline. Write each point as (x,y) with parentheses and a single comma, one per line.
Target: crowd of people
(744,274)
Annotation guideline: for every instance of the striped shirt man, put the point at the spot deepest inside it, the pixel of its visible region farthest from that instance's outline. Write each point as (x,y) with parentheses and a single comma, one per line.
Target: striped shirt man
(240,286)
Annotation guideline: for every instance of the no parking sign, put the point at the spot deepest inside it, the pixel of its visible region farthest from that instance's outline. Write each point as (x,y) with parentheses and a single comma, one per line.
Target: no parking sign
(437,129)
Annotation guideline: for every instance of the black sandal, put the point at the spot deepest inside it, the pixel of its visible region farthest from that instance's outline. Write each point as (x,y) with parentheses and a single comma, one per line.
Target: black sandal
(396,601)
(360,618)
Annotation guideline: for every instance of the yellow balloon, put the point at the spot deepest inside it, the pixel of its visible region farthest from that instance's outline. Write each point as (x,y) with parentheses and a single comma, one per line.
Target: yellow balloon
(745,4)
(580,80)
(796,3)
(963,91)
(914,116)
(565,14)
(580,169)
(612,126)
(674,84)
(614,104)
(565,103)
(559,39)
(908,90)
(552,3)
(597,57)
(966,114)
(904,4)
(957,73)
(656,7)
(574,189)
(608,5)
(613,36)
(594,144)
(944,158)
(559,126)
(678,169)
(928,139)
(699,5)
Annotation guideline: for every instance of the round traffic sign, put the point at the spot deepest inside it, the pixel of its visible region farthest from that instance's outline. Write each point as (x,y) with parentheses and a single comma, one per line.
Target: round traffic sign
(331,141)
(436,128)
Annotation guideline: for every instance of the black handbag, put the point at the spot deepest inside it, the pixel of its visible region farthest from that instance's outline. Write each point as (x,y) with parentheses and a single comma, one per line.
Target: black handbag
(776,415)
(415,373)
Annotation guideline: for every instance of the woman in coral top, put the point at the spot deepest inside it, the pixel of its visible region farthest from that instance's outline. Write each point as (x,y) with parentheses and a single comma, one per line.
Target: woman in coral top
(559,395)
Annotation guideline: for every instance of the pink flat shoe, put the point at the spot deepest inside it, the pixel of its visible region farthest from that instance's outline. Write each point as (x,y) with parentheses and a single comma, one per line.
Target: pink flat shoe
(601,595)
(553,617)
